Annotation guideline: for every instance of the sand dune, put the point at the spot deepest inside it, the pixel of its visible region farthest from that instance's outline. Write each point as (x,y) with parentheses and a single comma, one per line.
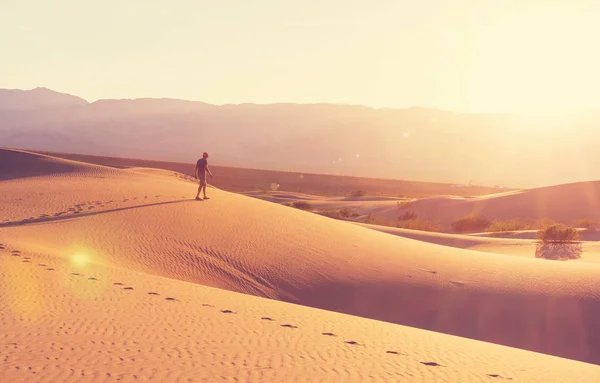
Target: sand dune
(142,229)
(84,322)
(561,203)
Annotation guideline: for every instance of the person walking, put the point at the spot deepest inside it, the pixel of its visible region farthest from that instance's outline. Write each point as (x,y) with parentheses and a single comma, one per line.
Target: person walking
(200,174)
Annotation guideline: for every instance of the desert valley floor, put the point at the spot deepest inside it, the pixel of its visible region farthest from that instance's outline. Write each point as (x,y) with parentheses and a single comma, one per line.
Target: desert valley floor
(118,274)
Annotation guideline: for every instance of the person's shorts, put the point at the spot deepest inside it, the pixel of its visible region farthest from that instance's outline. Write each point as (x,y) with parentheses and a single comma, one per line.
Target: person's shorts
(202,180)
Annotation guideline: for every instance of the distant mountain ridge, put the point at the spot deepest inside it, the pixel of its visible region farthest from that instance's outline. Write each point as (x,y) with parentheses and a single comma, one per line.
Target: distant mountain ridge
(418,144)
(17,99)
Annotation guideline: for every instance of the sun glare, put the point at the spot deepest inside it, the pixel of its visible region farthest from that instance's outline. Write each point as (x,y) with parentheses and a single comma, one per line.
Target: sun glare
(537,60)
(79,259)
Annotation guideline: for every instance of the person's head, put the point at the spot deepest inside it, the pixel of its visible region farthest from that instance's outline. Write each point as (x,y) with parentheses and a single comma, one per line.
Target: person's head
(204,155)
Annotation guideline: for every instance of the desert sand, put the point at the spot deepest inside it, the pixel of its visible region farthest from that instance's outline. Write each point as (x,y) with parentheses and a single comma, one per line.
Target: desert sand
(117,274)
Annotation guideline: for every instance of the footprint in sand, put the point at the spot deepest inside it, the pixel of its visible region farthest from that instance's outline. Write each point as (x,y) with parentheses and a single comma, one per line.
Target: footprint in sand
(207,305)
(75,212)
(429,271)
(118,284)
(41,265)
(353,343)
(289,326)
(458,283)
(266,318)
(431,364)
(76,274)
(153,293)
(171,299)
(16,253)
(49,269)
(127,288)
(92,279)
(328,334)
(227,312)
(393,352)
(498,376)
(26,260)
(125,200)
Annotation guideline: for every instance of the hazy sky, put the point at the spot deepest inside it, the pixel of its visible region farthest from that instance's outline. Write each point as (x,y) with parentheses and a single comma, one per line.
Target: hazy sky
(464,55)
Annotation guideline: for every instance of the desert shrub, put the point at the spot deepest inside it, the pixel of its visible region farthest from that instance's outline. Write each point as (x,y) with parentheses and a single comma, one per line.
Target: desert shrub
(471,222)
(335,214)
(303,205)
(558,251)
(369,219)
(358,193)
(407,216)
(404,204)
(587,223)
(419,224)
(558,233)
(508,225)
(346,212)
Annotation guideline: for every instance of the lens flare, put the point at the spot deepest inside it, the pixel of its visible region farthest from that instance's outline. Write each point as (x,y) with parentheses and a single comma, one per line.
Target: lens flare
(79,259)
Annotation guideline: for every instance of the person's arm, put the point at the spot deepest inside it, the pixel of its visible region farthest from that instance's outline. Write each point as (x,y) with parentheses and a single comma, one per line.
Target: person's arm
(196,171)
(208,170)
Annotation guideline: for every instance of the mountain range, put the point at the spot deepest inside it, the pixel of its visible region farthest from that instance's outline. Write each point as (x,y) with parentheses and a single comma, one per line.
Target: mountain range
(417,144)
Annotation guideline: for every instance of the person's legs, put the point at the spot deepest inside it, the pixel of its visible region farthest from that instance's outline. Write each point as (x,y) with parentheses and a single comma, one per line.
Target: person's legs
(199,188)
(204,187)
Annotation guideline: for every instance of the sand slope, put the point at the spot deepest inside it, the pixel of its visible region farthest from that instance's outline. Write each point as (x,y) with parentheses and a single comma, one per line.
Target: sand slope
(256,247)
(73,322)
(562,203)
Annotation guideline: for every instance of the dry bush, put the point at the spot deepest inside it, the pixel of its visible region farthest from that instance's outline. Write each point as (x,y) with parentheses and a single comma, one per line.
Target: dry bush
(407,216)
(419,224)
(302,205)
(346,212)
(560,251)
(343,214)
(404,204)
(508,225)
(558,233)
(471,222)
(558,242)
